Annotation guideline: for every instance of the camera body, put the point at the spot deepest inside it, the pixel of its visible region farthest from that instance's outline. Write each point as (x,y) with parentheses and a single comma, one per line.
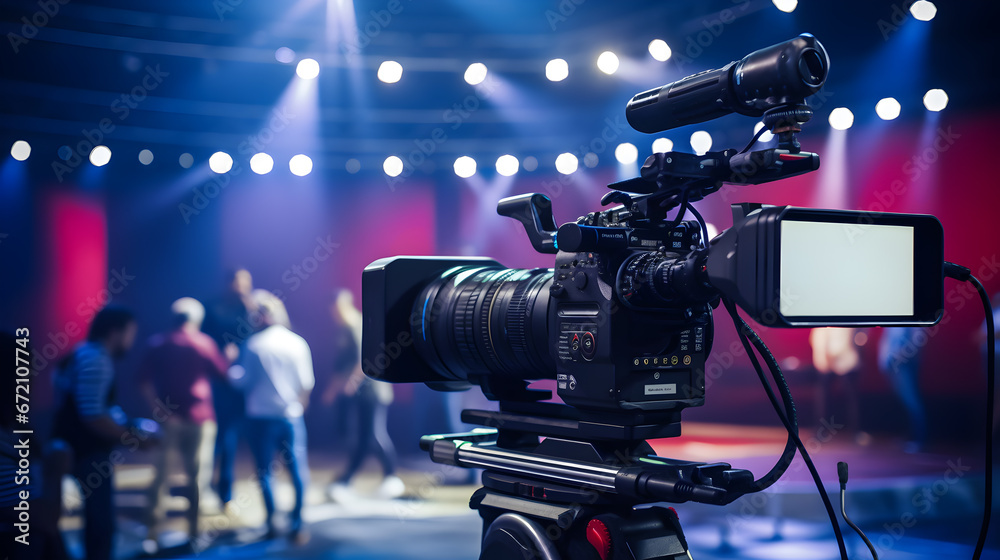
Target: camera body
(618,342)
(596,323)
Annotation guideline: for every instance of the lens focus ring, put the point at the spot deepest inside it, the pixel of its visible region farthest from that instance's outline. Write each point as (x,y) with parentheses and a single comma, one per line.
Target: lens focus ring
(486,321)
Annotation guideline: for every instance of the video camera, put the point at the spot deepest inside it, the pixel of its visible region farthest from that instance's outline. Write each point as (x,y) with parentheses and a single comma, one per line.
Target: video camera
(623,320)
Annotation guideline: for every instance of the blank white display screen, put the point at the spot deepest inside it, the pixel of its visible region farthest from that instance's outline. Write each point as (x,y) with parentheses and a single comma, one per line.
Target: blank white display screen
(830,269)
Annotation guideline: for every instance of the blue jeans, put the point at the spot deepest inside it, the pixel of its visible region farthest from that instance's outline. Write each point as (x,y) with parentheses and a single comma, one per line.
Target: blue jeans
(900,350)
(229,414)
(904,375)
(280,441)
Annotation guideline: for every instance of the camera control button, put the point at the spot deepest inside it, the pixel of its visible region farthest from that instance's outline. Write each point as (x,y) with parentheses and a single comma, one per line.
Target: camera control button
(588,345)
(580,280)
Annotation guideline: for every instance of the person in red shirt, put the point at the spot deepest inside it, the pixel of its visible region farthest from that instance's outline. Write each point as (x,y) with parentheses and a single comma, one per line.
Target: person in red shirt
(175,378)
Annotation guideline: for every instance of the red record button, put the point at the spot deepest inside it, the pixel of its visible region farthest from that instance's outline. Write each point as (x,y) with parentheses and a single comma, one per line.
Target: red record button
(599,537)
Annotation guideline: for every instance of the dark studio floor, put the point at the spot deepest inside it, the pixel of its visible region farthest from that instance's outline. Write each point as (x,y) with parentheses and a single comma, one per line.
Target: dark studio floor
(932,492)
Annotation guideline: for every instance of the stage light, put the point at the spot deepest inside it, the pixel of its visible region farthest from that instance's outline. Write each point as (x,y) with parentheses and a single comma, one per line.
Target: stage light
(475,73)
(284,55)
(220,162)
(841,118)
(566,163)
(307,69)
(935,100)
(353,166)
(100,156)
(608,62)
(663,145)
(530,163)
(20,150)
(507,165)
(701,142)
(186,160)
(261,163)
(660,50)
(787,6)
(626,153)
(923,10)
(591,160)
(300,165)
(887,109)
(64,153)
(465,167)
(557,70)
(767,136)
(392,166)
(145,157)
(390,71)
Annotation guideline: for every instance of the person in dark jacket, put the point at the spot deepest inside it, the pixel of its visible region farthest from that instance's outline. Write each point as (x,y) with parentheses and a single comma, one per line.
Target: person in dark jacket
(92,424)
(229,321)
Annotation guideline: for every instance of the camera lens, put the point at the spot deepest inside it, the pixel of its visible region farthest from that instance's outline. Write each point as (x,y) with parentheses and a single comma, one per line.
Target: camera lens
(478,321)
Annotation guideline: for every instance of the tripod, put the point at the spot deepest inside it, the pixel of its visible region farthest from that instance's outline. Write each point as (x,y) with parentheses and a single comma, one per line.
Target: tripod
(582,492)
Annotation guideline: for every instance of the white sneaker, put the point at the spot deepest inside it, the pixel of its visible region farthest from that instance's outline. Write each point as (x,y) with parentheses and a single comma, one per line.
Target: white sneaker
(392,487)
(340,492)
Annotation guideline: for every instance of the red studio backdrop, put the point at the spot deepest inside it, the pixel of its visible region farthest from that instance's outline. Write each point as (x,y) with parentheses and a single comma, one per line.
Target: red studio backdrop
(73,236)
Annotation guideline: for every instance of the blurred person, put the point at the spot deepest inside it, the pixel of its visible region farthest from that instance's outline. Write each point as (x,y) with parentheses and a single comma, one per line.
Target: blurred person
(899,352)
(370,400)
(835,355)
(228,322)
(275,371)
(91,423)
(175,378)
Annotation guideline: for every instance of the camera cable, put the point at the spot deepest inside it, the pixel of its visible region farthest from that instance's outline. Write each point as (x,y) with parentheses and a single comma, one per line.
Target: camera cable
(952,270)
(742,329)
(682,207)
(842,474)
(787,454)
(753,140)
(701,222)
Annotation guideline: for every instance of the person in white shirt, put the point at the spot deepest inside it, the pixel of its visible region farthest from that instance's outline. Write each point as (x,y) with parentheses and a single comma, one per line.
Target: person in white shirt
(275,372)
